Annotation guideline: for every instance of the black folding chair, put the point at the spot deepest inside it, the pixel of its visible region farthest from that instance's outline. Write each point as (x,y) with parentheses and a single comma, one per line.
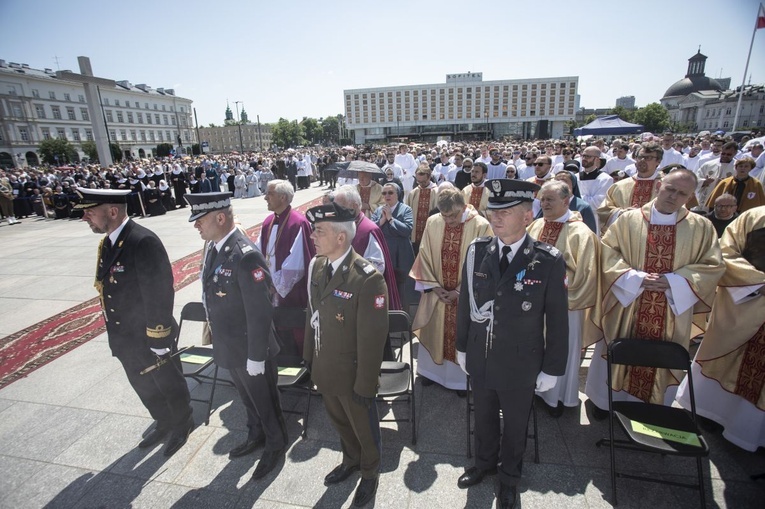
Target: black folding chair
(651,427)
(293,375)
(197,359)
(470,407)
(397,377)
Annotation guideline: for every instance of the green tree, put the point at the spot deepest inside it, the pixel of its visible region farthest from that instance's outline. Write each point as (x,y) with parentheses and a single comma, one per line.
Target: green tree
(195,149)
(163,150)
(89,147)
(623,113)
(313,130)
(330,127)
(653,118)
(287,134)
(56,151)
(116,151)
(590,118)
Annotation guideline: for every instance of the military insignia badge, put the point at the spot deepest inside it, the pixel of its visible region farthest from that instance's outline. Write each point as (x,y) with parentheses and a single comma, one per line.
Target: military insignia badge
(259,275)
(526,251)
(220,294)
(340,318)
(518,286)
(342,295)
(246,249)
(379,301)
(368,269)
(496,186)
(750,196)
(526,306)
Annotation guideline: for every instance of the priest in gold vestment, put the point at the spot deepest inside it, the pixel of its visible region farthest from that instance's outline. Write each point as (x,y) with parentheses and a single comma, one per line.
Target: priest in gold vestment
(729,368)
(564,229)
(437,272)
(659,265)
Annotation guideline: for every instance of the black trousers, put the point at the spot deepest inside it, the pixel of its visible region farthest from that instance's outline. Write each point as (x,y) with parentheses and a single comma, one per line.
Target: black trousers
(359,430)
(163,391)
(260,396)
(508,456)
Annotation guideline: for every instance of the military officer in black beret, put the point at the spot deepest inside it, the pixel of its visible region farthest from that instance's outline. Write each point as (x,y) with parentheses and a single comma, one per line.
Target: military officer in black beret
(346,330)
(237,296)
(512,332)
(135,283)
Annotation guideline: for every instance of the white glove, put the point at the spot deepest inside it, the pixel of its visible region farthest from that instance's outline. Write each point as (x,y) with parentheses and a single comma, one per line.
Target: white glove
(461,361)
(545,382)
(160,351)
(255,368)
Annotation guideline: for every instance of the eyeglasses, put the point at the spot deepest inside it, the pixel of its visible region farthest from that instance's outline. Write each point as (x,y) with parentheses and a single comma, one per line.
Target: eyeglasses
(566,153)
(643,158)
(467,166)
(540,164)
(386,193)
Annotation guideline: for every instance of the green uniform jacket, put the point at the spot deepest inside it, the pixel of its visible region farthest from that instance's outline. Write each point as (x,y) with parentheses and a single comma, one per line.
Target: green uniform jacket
(353,318)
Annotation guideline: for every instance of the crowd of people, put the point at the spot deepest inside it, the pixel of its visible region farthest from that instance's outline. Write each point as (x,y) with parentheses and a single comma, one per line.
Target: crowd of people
(652,238)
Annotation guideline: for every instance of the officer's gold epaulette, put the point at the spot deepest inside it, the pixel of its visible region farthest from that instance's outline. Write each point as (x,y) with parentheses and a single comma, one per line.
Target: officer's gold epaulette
(365,266)
(547,248)
(481,240)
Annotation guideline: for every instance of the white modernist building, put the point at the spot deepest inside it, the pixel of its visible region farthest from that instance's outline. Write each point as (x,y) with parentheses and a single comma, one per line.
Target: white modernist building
(37,104)
(463,107)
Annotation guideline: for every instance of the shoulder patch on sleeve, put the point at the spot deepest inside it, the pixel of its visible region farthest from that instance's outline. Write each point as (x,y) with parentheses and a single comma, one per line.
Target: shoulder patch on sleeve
(542,246)
(258,275)
(480,240)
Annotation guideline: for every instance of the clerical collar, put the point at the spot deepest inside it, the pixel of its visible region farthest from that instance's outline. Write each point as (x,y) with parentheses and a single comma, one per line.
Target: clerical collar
(279,217)
(221,242)
(562,219)
(741,180)
(661,219)
(482,184)
(652,177)
(592,175)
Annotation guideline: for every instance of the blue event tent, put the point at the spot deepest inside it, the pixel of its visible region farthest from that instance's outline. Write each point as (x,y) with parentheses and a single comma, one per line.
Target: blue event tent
(608,125)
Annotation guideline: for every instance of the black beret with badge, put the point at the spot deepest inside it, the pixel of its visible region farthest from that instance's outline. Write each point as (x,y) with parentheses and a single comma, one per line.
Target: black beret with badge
(203,203)
(94,197)
(506,193)
(332,212)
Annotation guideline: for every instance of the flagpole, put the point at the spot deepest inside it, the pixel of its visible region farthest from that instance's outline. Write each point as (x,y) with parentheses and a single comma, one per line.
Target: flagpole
(746,68)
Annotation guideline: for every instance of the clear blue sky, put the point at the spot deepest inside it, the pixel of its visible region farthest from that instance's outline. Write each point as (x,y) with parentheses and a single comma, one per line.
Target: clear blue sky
(294,58)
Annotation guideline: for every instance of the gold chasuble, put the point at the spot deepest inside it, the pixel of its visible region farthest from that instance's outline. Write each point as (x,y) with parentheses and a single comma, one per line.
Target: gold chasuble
(439,263)
(422,201)
(628,193)
(733,350)
(687,249)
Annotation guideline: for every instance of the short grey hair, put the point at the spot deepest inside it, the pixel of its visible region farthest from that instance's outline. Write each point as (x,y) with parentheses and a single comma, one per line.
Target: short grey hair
(282,187)
(346,227)
(557,186)
(348,196)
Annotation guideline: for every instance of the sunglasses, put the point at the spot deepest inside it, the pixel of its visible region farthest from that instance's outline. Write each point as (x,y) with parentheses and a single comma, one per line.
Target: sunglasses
(540,164)
(386,193)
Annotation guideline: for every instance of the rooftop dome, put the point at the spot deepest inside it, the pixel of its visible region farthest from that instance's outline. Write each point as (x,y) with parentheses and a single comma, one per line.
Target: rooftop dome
(695,80)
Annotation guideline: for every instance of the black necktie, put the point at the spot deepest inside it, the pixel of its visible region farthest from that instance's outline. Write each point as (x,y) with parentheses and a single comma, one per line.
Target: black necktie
(504,262)
(211,253)
(330,271)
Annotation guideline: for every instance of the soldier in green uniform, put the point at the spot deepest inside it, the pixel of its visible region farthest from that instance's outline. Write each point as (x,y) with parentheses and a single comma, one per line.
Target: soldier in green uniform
(346,330)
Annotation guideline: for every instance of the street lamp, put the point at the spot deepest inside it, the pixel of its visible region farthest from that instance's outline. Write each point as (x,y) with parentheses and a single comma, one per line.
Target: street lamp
(239,124)
(486,112)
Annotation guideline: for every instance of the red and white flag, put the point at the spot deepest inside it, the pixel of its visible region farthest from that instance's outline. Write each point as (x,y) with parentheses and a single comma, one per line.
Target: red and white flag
(761,18)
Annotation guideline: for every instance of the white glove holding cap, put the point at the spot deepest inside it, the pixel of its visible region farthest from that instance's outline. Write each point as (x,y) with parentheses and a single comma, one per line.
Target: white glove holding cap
(255,368)
(545,382)
(461,361)
(160,351)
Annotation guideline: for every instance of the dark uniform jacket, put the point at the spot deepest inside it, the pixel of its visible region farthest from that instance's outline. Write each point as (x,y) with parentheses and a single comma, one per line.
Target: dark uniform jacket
(137,291)
(237,296)
(530,315)
(353,314)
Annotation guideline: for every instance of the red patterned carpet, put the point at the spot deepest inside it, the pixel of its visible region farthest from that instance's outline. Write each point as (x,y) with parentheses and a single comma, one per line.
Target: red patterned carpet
(26,350)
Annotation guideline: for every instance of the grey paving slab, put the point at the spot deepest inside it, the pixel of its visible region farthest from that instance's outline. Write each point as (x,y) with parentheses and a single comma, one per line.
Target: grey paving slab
(16,471)
(431,480)
(112,490)
(53,487)
(60,383)
(182,497)
(5,404)
(113,394)
(41,432)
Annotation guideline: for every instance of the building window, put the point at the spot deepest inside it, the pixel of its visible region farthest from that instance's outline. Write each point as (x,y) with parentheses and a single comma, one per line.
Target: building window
(70,113)
(23,134)
(186,136)
(76,134)
(146,106)
(155,107)
(106,101)
(116,102)
(725,124)
(140,117)
(109,116)
(143,135)
(45,133)
(167,134)
(56,112)
(160,137)
(727,111)
(164,117)
(151,136)
(148,118)
(133,135)
(120,117)
(81,98)
(172,120)
(40,109)
(156,117)
(67,97)
(163,108)
(52,94)
(112,134)
(61,133)
(130,117)
(89,134)
(35,93)
(123,134)
(84,114)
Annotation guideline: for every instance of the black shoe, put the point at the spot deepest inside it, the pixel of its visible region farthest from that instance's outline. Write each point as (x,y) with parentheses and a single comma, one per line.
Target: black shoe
(473,476)
(178,437)
(246,447)
(267,462)
(556,411)
(426,382)
(156,436)
(461,394)
(365,491)
(340,473)
(597,413)
(507,496)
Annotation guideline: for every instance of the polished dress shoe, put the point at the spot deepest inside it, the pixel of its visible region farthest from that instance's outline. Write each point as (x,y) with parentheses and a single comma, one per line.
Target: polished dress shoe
(178,437)
(473,476)
(597,413)
(507,496)
(340,473)
(156,436)
(267,462)
(556,411)
(246,447)
(365,491)
(426,382)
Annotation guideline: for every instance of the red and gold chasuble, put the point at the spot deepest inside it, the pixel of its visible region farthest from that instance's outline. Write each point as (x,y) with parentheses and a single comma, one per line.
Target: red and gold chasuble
(651,317)
(642,192)
(551,232)
(751,374)
(450,268)
(423,209)
(365,192)
(475,197)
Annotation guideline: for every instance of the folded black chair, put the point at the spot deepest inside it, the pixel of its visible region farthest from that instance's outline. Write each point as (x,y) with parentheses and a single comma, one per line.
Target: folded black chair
(650,427)
(469,402)
(197,359)
(397,377)
(293,375)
